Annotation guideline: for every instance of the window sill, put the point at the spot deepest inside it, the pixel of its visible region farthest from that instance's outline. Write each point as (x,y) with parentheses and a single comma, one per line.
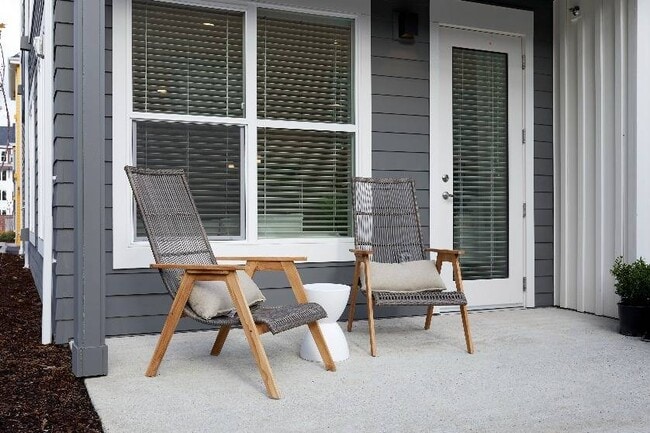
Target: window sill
(137,255)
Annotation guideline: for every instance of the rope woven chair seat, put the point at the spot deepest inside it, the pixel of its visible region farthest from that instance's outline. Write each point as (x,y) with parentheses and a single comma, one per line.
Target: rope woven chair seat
(277,319)
(433,297)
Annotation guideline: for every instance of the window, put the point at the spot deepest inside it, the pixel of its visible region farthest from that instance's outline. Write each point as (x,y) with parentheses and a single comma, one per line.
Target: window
(187,64)
(3,195)
(3,156)
(259,106)
(304,73)
(3,176)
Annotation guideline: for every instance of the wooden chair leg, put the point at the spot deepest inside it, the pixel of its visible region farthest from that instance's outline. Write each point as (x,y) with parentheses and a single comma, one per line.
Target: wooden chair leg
(324,351)
(252,335)
(371,310)
(220,340)
(171,322)
(458,278)
(371,325)
(468,334)
(299,292)
(427,322)
(353,295)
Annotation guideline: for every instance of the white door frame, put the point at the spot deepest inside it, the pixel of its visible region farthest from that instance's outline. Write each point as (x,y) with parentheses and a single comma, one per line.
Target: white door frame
(495,19)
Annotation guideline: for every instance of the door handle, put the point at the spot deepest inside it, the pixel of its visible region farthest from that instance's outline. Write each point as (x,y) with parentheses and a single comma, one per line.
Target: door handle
(446,195)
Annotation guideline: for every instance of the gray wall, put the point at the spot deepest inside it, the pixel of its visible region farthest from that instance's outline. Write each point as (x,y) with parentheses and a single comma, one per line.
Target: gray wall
(36,267)
(400,112)
(136,300)
(63,169)
(543,64)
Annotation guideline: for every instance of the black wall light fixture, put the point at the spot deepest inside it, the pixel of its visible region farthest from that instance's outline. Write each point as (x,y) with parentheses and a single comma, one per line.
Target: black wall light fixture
(407,25)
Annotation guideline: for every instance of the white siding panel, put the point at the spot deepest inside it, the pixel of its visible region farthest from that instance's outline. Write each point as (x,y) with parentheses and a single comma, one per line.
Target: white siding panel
(591,101)
(642,133)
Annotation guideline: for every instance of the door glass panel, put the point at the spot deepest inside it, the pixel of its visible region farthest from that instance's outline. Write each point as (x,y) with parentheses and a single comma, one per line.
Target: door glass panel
(480,161)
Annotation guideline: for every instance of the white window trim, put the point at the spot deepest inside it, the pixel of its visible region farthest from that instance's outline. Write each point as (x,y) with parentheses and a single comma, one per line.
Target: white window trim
(41,96)
(130,254)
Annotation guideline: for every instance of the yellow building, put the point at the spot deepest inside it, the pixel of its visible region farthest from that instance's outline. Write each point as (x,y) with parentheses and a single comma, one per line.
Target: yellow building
(15,82)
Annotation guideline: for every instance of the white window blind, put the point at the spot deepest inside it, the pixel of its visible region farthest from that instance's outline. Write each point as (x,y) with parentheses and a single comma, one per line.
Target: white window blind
(304,67)
(211,156)
(304,73)
(187,60)
(304,183)
(480,153)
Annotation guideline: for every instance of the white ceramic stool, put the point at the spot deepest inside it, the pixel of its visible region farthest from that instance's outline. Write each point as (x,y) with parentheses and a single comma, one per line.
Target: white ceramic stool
(333,298)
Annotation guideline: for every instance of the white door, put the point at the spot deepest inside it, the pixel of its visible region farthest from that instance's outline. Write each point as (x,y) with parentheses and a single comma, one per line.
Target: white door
(477,186)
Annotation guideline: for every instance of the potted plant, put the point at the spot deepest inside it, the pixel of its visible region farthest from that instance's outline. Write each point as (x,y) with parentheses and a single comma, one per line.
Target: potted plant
(633,286)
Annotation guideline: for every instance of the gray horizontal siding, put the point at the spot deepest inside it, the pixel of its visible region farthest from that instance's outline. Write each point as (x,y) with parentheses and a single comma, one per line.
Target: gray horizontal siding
(136,300)
(63,170)
(400,114)
(543,102)
(36,267)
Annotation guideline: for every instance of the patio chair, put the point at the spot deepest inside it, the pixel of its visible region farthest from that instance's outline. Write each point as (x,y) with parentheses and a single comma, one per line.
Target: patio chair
(200,287)
(390,258)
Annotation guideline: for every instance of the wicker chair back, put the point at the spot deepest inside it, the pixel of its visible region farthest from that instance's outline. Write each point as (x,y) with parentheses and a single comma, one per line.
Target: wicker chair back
(387,220)
(171,221)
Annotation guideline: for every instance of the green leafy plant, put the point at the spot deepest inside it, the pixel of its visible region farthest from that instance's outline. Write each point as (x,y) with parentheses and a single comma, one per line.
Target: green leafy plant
(7,236)
(632,281)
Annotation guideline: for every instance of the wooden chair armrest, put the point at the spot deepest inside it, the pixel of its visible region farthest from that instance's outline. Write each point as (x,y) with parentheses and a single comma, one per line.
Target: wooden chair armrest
(359,252)
(194,267)
(264,259)
(444,251)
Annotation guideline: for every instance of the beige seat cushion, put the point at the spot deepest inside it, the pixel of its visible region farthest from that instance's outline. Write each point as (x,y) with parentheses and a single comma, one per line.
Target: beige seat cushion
(211,298)
(416,276)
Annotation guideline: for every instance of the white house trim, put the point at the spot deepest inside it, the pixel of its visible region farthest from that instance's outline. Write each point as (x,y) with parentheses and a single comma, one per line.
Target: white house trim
(45,103)
(128,253)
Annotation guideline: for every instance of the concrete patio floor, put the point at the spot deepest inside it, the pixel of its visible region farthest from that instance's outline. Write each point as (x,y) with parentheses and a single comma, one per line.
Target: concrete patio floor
(541,370)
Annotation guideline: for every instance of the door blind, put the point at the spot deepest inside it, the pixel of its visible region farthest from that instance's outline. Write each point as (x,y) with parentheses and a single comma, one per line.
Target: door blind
(304,183)
(480,155)
(187,60)
(304,67)
(211,158)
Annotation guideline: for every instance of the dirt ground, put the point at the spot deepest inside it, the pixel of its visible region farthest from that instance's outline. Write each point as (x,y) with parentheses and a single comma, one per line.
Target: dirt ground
(38,392)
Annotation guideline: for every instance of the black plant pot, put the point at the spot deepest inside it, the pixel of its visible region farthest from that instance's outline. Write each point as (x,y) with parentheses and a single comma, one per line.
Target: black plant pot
(634,319)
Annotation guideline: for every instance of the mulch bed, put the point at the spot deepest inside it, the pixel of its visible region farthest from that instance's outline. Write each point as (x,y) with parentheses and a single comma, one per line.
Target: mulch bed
(38,392)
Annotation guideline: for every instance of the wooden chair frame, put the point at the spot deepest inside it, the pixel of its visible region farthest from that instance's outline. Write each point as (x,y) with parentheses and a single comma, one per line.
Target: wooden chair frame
(363,257)
(387,228)
(183,256)
(227,274)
